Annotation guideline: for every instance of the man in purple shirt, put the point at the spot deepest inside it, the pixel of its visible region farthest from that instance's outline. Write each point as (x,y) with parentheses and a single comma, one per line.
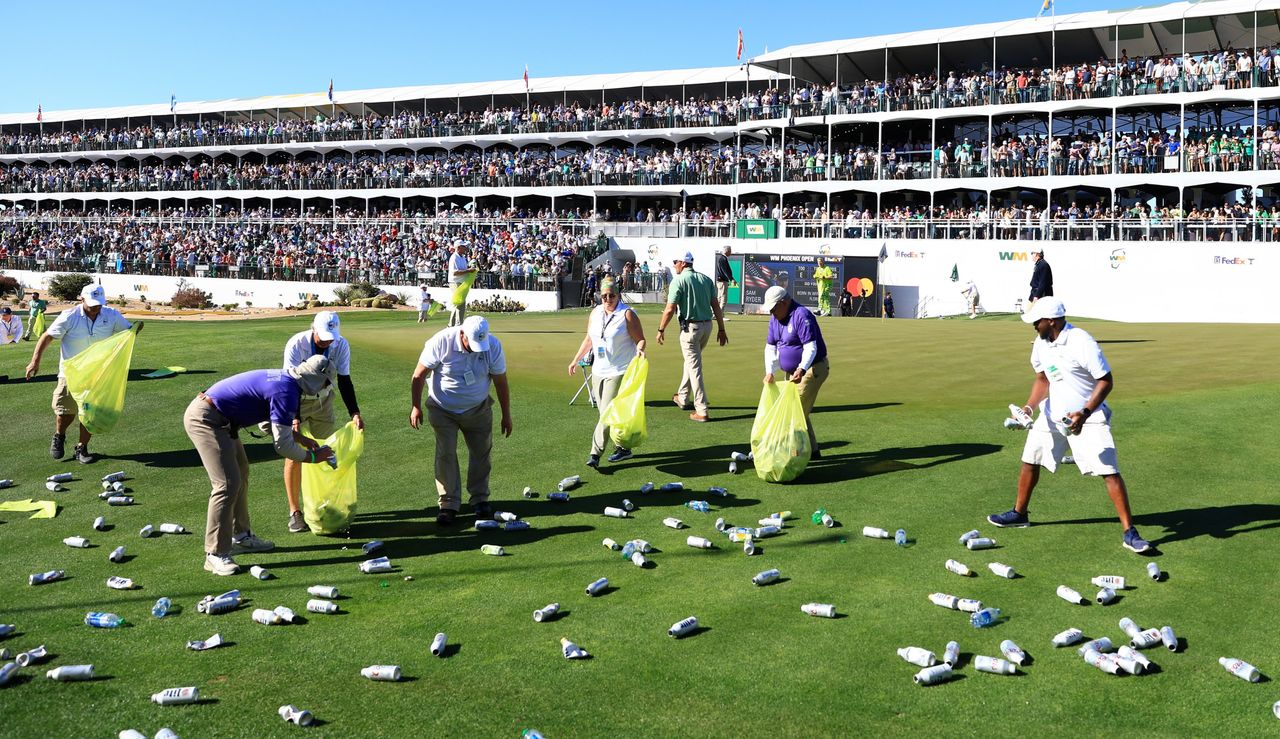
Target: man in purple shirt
(213,421)
(795,346)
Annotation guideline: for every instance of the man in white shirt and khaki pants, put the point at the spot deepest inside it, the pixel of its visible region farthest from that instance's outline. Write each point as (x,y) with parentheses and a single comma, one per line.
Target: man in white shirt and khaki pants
(459,268)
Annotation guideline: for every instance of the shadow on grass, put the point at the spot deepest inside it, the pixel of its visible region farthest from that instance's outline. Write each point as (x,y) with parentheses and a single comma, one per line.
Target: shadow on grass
(1219,522)
(135,375)
(256,452)
(855,465)
(848,408)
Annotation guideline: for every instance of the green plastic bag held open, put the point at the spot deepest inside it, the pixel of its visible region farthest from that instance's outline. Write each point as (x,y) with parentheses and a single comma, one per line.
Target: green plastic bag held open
(625,414)
(459,297)
(328,494)
(96,378)
(779,435)
(38,325)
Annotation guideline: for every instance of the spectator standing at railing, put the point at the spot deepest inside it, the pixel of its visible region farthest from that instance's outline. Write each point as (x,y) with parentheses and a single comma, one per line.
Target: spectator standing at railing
(724,276)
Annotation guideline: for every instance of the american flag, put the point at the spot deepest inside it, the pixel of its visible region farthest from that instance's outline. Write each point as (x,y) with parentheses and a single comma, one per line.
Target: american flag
(526,78)
(39,113)
(756,276)
(739,44)
(330,89)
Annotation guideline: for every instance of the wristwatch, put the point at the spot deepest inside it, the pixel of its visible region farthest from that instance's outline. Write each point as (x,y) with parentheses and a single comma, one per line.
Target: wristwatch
(1086,412)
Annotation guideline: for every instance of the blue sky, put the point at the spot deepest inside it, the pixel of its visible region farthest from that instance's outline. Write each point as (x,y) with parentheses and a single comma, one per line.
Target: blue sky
(76,54)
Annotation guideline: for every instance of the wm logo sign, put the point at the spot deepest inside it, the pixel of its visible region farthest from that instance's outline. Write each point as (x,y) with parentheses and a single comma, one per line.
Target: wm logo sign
(1014,256)
(140,288)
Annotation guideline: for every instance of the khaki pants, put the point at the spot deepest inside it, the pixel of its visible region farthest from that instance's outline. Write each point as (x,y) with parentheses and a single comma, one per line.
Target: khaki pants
(457,314)
(63,403)
(810,384)
(692,341)
(225,462)
(476,426)
(604,389)
(316,417)
(722,294)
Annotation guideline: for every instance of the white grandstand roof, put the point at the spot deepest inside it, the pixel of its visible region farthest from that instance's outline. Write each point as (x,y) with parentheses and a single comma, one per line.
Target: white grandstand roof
(1092,19)
(625,80)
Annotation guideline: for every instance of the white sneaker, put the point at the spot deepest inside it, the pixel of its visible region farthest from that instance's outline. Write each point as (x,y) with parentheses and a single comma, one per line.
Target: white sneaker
(220,565)
(251,543)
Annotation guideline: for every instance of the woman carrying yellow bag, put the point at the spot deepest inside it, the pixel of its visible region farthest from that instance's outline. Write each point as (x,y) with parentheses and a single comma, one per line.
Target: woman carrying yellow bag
(614,337)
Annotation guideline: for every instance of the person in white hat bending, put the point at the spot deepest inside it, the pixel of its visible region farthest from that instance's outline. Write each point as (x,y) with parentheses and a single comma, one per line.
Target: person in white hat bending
(77,329)
(794,344)
(459,268)
(693,295)
(1072,382)
(316,416)
(462,362)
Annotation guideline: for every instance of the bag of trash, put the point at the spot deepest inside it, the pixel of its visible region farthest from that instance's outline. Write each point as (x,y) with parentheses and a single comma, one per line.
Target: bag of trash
(459,297)
(779,435)
(329,494)
(96,378)
(625,414)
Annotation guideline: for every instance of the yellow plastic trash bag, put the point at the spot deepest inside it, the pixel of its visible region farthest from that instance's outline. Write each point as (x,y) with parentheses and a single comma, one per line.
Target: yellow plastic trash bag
(96,378)
(779,436)
(328,494)
(38,325)
(437,306)
(459,297)
(625,414)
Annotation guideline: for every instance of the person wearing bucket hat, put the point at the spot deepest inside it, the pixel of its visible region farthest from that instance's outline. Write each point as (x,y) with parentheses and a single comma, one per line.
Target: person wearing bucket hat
(1072,382)
(213,421)
(315,411)
(76,329)
(462,362)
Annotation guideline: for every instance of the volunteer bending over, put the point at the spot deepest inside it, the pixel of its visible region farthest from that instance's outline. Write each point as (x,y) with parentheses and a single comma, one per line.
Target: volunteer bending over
(213,422)
(794,345)
(614,337)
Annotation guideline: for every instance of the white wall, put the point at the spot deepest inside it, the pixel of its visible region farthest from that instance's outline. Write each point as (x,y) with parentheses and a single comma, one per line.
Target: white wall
(1174,282)
(268,293)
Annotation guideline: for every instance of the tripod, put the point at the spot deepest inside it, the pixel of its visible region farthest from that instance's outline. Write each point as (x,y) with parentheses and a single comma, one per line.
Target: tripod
(585,364)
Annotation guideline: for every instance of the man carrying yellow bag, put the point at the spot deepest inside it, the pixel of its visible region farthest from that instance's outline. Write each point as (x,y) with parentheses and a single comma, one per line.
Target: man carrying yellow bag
(461,277)
(78,329)
(329,493)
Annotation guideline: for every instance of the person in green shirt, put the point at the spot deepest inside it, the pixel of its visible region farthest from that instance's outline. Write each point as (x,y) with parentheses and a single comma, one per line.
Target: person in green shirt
(35,307)
(693,295)
(824,276)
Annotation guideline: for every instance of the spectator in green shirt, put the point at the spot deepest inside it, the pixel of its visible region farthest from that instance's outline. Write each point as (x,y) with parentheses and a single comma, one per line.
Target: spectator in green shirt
(36,307)
(693,295)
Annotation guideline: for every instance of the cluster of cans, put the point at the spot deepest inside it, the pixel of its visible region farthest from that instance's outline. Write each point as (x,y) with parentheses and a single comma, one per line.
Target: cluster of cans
(935,671)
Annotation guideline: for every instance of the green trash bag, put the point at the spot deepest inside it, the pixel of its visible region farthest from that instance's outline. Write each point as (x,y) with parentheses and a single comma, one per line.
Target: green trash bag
(625,414)
(328,494)
(459,297)
(779,436)
(96,378)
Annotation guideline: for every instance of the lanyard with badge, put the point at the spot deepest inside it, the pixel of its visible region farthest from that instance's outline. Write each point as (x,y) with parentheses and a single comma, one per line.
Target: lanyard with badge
(604,328)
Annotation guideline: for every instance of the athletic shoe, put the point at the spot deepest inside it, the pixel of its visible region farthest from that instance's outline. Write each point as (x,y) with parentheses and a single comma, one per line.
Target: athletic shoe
(251,543)
(482,510)
(593,461)
(445,517)
(83,456)
(699,417)
(620,454)
(1135,543)
(1010,519)
(296,524)
(56,447)
(220,565)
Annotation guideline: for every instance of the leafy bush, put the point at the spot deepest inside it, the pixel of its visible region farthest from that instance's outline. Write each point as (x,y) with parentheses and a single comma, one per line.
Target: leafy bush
(355,291)
(10,286)
(190,296)
(68,286)
(230,306)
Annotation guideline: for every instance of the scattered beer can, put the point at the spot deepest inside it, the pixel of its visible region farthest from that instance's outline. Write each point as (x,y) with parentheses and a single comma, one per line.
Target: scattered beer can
(1104,662)
(981,542)
(682,628)
(873,532)
(698,542)
(382,673)
(54,487)
(1115,582)
(1132,667)
(7,672)
(738,457)
(218,605)
(1169,638)
(120,500)
(749,547)
(119,583)
(492,550)
(611,544)
(319,605)
(966,536)
(294,715)
(6,484)
(260,572)
(968,605)
(1106,596)
(646,488)
(1153,571)
(286,614)
(1101,644)
(199,645)
(76,542)
(721,525)
(598,586)
(951,655)
(733,468)
(31,656)
(1128,652)
(944,600)
(571,650)
(671,487)
(918,656)
(371,547)
(146,531)
(994,665)
(176,696)
(1240,669)
(673,523)
(718,491)
(822,610)
(1145,639)
(558,497)
(486,524)
(638,559)
(628,505)
(265,617)
(642,545)
(131,734)
(529,493)
(828,521)
(323,591)
(766,577)
(438,644)
(1013,652)
(172,528)
(1070,596)
(6,630)
(60,477)
(612,512)
(932,675)
(568,483)
(504,516)
(773,520)
(1068,637)
(1129,628)
(546,612)
(766,531)
(958,567)
(371,566)
(516,525)
(114,477)
(100,523)
(43,577)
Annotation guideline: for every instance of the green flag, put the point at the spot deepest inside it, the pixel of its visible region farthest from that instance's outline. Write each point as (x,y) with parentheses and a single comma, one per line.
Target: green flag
(955,273)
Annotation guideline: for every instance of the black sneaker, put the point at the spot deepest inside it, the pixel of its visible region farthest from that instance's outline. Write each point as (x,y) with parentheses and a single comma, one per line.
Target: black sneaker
(593,461)
(445,517)
(56,447)
(1135,543)
(1010,519)
(620,454)
(482,510)
(83,456)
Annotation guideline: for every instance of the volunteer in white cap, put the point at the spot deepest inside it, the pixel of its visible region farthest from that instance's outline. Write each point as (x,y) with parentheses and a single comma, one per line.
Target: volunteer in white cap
(425,302)
(693,295)
(794,345)
(1072,382)
(10,326)
(316,416)
(78,328)
(462,362)
(459,268)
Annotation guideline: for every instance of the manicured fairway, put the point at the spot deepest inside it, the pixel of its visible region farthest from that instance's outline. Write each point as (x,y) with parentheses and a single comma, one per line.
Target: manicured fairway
(910,421)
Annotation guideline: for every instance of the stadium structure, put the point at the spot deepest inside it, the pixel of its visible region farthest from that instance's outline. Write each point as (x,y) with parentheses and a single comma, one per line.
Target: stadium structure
(1138,149)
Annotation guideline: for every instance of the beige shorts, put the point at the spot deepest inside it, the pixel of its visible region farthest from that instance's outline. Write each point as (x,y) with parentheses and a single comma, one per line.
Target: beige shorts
(316,418)
(63,403)
(1093,448)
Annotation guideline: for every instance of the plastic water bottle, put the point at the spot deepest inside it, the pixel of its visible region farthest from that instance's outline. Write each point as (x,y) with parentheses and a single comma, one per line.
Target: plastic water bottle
(161,608)
(701,506)
(900,538)
(984,618)
(628,549)
(102,620)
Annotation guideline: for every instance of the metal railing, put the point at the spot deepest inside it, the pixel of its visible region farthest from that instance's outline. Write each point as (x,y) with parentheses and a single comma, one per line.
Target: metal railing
(1058,229)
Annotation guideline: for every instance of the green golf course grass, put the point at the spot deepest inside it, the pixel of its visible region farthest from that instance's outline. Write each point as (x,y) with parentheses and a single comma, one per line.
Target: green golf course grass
(910,423)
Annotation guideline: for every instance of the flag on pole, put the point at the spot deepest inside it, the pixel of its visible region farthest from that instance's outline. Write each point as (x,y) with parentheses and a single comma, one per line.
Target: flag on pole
(739,44)
(955,273)
(1045,8)
(526,78)
(330,89)
(884,252)
(39,113)
(173,103)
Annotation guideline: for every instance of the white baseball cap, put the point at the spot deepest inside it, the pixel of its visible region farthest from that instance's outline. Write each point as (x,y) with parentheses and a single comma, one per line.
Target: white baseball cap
(93,295)
(773,296)
(687,258)
(1048,307)
(476,329)
(326,325)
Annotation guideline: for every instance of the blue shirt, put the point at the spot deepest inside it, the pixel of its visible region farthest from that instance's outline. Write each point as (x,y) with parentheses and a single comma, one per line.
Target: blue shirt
(799,328)
(252,397)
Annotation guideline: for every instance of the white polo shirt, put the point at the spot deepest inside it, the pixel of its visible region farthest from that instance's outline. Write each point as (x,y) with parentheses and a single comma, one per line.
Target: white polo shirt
(300,348)
(459,378)
(457,263)
(423,298)
(1074,364)
(77,332)
(11,330)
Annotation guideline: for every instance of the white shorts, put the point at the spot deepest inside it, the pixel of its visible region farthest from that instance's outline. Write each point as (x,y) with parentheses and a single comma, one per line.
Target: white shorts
(1093,448)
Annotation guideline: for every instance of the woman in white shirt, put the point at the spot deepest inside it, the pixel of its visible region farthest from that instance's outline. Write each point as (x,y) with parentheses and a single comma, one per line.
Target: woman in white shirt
(614,337)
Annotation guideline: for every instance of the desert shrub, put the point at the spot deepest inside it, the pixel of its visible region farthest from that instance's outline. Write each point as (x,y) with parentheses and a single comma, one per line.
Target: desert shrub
(68,286)
(190,296)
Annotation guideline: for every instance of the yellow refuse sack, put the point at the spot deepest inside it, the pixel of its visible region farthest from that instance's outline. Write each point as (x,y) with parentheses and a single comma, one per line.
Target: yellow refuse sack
(625,414)
(328,494)
(38,325)
(96,378)
(779,435)
(459,297)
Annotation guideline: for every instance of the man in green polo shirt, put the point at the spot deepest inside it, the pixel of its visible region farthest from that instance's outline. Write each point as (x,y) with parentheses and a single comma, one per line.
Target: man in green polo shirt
(35,307)
(693,294)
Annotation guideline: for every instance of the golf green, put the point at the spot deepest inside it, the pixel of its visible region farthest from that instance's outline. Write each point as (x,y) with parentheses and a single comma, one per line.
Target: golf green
(910,421)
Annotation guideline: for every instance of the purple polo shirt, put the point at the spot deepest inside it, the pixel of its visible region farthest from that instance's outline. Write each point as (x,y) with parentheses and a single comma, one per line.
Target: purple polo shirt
(790,337)
(252,397)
